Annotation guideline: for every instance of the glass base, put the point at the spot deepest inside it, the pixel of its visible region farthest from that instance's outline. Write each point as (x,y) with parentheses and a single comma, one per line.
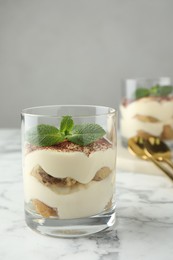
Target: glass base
(71,227)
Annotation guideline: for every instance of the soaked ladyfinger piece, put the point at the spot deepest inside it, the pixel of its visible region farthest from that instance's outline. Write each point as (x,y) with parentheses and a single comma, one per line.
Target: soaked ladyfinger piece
(43,209)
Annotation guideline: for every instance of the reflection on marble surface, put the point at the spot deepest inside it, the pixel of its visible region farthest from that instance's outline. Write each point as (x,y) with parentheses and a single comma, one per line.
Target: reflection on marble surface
(145,218)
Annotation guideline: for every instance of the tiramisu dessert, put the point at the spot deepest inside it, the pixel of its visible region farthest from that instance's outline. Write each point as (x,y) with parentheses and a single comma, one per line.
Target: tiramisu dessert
(148,113)
(68,173)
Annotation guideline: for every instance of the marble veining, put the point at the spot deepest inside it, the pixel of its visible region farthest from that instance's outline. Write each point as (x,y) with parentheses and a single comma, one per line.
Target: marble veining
(144,229)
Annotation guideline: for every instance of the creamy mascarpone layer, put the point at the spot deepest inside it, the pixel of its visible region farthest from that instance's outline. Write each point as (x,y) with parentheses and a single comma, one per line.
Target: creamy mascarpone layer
(130,127)
(76,165)
(78,201)
(162,110)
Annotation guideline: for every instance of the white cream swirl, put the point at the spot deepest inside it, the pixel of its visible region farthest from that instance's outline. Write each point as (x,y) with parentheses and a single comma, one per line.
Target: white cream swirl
(76,165)
(149,107)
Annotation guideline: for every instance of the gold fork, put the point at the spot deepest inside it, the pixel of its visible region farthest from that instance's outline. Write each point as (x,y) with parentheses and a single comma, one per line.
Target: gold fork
(159,150)
(137,147)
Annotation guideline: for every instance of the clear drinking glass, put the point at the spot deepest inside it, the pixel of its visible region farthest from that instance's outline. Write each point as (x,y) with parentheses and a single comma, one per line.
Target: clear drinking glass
(146,109)
(69,158)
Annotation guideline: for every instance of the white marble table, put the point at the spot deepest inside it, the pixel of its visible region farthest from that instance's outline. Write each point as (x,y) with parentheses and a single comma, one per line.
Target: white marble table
(145,218)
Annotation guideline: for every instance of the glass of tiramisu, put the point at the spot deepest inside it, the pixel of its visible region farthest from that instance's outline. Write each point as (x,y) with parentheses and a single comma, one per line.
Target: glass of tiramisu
(146,109)
(69,159)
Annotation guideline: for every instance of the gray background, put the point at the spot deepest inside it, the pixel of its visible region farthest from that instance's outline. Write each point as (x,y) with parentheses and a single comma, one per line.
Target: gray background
(77,51)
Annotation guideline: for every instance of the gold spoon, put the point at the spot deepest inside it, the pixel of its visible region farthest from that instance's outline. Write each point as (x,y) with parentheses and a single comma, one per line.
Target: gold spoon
(159,150)
(136,147)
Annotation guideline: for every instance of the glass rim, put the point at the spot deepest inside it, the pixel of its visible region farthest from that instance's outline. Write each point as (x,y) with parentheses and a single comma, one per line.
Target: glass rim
(26,111)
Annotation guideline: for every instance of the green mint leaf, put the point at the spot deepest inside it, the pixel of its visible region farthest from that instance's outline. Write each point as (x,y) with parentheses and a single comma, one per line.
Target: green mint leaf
(141,92)
(85,134)
(44,135)
(155,91)
(161,91)
(165,90)
(66,124)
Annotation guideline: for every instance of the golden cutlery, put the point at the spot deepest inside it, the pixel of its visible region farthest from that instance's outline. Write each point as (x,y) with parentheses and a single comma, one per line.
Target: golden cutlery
(137,147)
(159,150)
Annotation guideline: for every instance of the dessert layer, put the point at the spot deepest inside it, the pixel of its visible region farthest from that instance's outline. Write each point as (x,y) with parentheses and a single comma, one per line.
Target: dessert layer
(149,116)
(74,165)
(131,126)
(48,180)
(71,202)
(66,146)
(43,209)
(161,110)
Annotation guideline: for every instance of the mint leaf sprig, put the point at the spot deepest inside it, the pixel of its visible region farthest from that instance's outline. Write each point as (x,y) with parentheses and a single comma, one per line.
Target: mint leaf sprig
(157,91)
(47,135)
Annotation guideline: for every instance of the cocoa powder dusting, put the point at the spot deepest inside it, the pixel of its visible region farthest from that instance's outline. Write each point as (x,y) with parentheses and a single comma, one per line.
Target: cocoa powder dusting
(67,146)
